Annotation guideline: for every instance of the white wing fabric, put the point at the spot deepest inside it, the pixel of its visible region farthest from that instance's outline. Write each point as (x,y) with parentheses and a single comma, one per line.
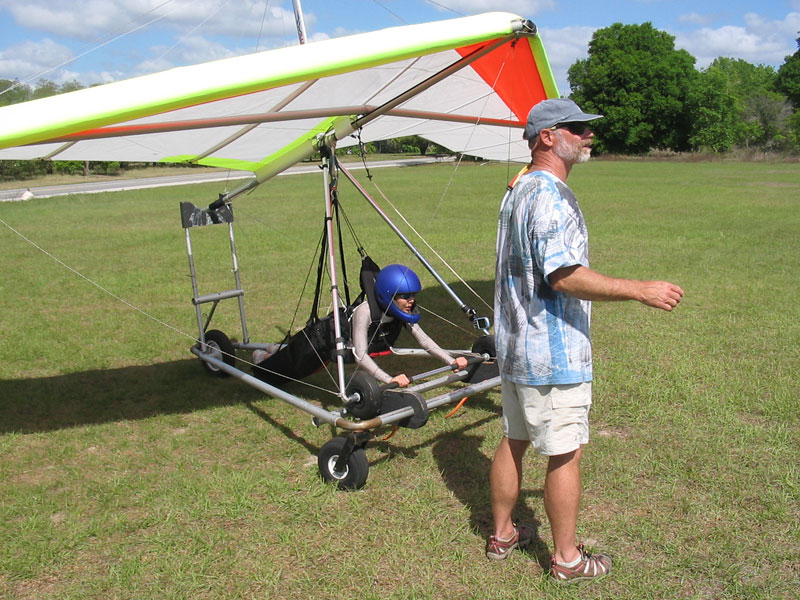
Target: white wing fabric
(466,84)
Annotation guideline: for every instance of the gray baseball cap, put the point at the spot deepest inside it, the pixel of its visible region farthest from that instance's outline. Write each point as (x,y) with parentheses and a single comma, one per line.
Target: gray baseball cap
(548,113)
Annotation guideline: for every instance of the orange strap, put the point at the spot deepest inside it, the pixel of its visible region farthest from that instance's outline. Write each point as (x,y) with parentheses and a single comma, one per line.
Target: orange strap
(459,405)
(522,172)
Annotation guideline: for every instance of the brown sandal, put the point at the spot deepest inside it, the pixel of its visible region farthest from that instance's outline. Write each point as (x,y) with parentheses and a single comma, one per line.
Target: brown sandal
(591,566)
(497,549)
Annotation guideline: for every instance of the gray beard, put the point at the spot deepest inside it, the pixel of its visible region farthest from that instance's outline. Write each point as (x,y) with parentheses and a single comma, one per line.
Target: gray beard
(574,155)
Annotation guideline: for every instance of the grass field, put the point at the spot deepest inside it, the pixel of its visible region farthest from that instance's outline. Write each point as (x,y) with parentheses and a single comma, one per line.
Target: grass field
(128,472)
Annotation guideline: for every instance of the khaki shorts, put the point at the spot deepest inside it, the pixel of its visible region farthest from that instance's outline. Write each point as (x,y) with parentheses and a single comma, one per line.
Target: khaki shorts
(555,418)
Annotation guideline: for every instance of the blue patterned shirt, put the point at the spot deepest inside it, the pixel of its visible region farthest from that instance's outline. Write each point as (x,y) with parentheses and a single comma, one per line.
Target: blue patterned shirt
(541,335)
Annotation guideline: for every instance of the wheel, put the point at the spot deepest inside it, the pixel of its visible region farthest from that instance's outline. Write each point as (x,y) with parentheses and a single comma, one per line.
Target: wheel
(219,346)
(368,404)
(488,368)
(485,345)
(355,472)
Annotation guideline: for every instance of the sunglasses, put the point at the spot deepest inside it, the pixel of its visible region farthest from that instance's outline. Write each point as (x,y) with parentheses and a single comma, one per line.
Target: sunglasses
(405,296)
(574,127)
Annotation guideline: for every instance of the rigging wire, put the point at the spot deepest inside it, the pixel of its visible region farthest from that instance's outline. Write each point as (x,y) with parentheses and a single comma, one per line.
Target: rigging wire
(95,284)
(395,15)
(440,5)
(446,320)
(362,150)
(192,30)
(131,305)
(261,29)
(431,248)
(90,50)
(472,131)
(447,188)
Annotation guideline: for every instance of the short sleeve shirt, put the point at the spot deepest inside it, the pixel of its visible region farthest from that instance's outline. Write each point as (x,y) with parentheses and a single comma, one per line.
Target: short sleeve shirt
(541,335)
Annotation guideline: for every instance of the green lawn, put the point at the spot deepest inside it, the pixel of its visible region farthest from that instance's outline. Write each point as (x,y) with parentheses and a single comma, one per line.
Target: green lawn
(128,472)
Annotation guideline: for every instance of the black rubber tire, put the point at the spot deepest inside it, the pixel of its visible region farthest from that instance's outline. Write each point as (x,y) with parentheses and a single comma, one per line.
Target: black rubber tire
(369,390)
(220,347)
(355,474)
(485,345)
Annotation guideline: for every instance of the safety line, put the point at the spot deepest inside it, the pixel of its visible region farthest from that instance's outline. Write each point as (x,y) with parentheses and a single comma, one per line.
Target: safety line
(136,308)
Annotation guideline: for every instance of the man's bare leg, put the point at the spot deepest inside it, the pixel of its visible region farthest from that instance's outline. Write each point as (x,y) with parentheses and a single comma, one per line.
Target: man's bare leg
(562,495)
(505,480)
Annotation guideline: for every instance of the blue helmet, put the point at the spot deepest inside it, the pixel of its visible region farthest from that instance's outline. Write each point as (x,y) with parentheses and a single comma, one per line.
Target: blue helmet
(392,280)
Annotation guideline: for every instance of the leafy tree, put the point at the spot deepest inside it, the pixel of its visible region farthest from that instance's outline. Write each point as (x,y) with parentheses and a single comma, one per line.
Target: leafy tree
(70,86)
(793,131)
(45,88)
(17,92)
(640,82)
(713,113)
(788,79)
(761,111)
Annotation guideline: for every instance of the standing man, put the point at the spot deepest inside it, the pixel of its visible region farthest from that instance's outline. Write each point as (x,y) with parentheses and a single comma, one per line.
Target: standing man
(543,293)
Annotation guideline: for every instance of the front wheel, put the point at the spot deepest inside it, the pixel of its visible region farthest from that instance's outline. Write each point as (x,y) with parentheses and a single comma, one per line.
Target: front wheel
(220,347)
(368,393)
(354,474)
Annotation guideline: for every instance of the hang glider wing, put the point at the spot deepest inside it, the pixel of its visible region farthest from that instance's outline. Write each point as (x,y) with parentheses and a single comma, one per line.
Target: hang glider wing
(466,84)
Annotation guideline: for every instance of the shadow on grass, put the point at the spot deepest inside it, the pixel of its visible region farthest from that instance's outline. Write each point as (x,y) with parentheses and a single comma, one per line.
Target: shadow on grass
(288,432)
(131,393)
(107,395)
(466,472)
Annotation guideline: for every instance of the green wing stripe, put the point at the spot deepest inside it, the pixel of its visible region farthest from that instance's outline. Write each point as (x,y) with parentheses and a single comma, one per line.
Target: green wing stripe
(543,64)
(304,144)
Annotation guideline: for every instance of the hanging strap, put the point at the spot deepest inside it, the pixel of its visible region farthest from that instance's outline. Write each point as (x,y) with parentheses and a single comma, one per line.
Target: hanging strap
(314,316)
(323,250)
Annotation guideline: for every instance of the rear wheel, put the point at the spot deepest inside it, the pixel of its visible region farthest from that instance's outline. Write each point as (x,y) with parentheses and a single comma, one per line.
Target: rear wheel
(353,475)
(485,345)
(220,347)
(481,371)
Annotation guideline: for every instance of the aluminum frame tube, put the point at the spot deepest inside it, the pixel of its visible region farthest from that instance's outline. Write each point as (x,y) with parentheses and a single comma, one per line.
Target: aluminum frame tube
(336,419)
(337,326)
(237,279)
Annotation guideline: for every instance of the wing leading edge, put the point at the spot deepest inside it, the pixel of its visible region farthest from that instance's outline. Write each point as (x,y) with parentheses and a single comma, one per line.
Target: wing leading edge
(466,84)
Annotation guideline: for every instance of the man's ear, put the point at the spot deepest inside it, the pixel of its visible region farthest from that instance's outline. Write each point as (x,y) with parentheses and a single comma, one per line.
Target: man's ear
(547,137)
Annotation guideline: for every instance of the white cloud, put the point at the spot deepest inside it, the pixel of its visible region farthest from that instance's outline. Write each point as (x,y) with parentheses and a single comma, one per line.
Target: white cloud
(242,18)
(101,77)
(760,41)
(94,22)
(694,19)
(789,26)
(34,60)
(525,8)
(90,19)
(78,20)
(564,47)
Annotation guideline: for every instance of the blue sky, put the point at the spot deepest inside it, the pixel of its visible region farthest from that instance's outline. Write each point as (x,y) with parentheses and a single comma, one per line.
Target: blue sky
(97,41)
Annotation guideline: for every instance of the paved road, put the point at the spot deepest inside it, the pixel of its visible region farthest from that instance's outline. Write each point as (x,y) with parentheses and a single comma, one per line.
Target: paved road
(169,180)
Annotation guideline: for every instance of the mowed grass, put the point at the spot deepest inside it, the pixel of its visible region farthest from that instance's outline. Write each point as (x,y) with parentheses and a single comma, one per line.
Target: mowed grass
(128,472)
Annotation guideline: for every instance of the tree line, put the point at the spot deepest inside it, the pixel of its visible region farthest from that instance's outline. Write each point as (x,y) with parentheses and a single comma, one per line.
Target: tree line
(651,94)
(653,97)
